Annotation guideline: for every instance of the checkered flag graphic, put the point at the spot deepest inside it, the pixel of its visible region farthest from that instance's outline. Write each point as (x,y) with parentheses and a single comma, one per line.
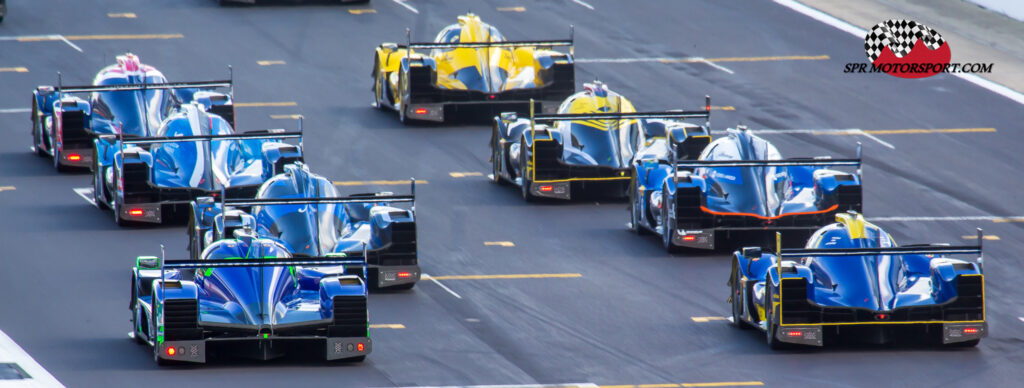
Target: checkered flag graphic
(899,35)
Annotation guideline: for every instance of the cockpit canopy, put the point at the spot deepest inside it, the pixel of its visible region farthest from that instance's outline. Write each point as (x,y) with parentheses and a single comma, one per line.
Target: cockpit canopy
(469,29)
(605,141)
(133,112)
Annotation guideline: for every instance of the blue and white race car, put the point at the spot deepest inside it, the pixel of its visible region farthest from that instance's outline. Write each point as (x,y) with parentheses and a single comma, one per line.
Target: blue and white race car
(690,190)
(194,153)
(249,297)
(304,212)
(852,281)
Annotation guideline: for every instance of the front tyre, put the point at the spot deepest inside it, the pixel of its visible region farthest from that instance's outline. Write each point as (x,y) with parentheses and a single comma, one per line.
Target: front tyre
(667,224)
(737,304)
(770,318)
(496,164)
(97,182)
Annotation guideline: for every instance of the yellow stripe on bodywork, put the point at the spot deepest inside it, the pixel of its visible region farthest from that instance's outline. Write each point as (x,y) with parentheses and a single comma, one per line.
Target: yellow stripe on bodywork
(854,224)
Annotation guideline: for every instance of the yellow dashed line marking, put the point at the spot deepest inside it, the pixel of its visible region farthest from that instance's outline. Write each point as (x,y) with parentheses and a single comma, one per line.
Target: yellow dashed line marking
(512,9)
(7,188)
(18,69)
(263,104)
(283,117)
(122,15)
(1010,219)
(268,63)
(727,107)
(465,174)
(510,276)
(378,183)
(99,37)
(690,385)
(507,244)
(387,326)
(361,11)
(707,319)
(987,237)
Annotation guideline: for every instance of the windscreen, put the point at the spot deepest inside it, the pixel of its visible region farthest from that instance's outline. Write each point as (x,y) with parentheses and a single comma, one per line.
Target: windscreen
(595,139)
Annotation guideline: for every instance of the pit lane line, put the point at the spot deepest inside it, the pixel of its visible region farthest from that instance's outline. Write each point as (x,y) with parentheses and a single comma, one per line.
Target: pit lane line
(860,33)
(584,4)
(38,376)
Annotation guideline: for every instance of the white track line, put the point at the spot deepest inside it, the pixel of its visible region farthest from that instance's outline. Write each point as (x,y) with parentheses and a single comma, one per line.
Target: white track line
(86,194)
(580,2)
(717,66)
(847,131)
(16,110)
(633,60)
(431,278)
(43,37)
(407,6)
(11,352)
(860,33)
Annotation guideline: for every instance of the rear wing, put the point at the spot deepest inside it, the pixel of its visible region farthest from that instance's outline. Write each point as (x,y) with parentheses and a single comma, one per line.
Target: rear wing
(146,86)
(348,261)
(905,250)
(262,134)
(517,43)
(822,162)
(668,114)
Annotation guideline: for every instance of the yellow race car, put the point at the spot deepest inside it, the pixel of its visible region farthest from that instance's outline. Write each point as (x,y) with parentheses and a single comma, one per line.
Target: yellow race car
(470,65)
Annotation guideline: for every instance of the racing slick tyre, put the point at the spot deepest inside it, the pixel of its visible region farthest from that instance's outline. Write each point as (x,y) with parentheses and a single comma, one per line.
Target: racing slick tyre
(634,213)
(135,314)
(495,162)
(667,225)
(769,317)
(355,359)
(56,161)
(117,214)
(403,85)
(525,187)
(403,287)
(37,131)
(156,346)
(97,183)
(378,85)
(737,304)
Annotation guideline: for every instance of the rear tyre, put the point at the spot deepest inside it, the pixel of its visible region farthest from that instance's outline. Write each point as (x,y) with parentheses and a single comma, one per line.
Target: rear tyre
(403,287)
(37,131)
(117,214)
(526,183)
(56,161)
(737,305)
(770,317)
(378,85)
(634,213)
(97,183)
(496,164)
(355,359)
(667,224)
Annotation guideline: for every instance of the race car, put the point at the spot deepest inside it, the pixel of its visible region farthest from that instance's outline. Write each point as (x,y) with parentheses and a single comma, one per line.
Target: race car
(249,297)
(587,149)
(128,98)
(689,190)
(303,211)
(470,65)
(194,153)
(852,282)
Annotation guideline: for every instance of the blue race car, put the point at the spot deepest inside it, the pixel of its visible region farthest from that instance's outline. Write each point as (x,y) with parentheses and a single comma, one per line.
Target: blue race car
(852,280)
(249,297)
(194,153)
(587,147)
(690,192)
(303,211)
(128,98)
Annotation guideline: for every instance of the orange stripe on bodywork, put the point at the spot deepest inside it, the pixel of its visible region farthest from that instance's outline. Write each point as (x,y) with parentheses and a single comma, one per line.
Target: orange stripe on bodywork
(709,211)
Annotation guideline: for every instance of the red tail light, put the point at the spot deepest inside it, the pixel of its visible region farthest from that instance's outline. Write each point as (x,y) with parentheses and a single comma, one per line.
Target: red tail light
(404,274)
(135,212)
(360,347)
(795,333)
(171,351)
(421,111)
(546,189)
(707,107)
(492,96)
(970,330)
(74,157)
(689,238)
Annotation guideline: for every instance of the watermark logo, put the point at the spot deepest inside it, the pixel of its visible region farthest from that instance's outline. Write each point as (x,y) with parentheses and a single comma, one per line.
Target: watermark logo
(908,49)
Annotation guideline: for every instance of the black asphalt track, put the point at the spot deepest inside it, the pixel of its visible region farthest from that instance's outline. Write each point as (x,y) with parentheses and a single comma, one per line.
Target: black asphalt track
(64,274)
